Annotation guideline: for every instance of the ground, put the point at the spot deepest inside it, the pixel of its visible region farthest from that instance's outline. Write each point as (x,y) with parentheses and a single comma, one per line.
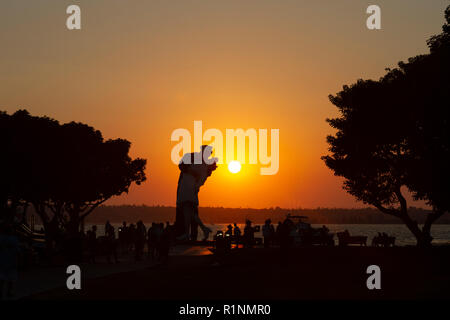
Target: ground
(304,273)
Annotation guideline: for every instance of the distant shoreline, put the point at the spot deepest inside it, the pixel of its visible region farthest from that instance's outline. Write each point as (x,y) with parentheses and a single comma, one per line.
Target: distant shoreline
(94,221)
(219,215)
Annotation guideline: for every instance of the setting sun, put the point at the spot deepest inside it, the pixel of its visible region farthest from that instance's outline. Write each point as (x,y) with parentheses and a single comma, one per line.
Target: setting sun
(234,166)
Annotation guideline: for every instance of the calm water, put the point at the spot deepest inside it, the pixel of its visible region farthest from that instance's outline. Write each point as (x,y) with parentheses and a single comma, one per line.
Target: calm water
(440,233)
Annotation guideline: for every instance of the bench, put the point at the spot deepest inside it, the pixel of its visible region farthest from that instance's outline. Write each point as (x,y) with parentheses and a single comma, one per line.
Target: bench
(345,239)
(383,241)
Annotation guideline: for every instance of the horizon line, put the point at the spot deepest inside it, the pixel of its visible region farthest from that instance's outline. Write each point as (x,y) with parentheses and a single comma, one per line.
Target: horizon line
(250,208)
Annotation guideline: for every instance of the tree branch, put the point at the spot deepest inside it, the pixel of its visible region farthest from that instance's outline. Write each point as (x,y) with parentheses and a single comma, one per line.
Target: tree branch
(92,208)
(389,211)
(402,201)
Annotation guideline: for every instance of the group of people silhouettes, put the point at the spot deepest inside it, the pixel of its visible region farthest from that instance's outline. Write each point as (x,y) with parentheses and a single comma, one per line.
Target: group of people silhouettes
(157,237)
(283,234)
(132,239)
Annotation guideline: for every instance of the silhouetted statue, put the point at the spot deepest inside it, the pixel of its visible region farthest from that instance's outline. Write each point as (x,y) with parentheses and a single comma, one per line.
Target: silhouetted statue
(192,177)
(194,226)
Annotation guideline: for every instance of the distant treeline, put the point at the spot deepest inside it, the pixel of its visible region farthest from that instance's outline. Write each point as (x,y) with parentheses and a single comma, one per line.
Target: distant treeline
(133,213)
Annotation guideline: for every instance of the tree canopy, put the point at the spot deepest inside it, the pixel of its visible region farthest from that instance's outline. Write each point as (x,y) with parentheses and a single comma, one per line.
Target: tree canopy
(394,134)
(64,170)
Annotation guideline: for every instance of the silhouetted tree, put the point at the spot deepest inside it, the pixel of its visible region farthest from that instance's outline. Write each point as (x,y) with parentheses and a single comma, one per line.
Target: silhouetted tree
(9,199)
(64,171)
(393,134)
(21,137)
(428,78)
(94,171)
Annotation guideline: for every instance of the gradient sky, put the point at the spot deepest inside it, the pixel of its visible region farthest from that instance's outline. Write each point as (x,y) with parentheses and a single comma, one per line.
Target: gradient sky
(140,69)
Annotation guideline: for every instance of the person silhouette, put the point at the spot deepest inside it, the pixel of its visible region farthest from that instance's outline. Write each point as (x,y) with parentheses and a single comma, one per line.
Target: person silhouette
(108,228)
(249,234)
(237,234)
(92,243)
(229,232)
(123,236)
(268,233)
(151,241)
(195,168)
(110,242)
(141,233)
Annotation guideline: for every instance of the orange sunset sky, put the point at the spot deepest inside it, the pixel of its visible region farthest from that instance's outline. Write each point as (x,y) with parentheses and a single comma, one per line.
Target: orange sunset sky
(140,69)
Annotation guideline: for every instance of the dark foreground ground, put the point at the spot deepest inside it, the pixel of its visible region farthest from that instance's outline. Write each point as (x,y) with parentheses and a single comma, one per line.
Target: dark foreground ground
(306,273)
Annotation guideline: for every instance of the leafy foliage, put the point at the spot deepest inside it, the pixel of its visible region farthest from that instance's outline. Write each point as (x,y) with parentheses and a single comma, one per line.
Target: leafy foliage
(65,171)
(394,133)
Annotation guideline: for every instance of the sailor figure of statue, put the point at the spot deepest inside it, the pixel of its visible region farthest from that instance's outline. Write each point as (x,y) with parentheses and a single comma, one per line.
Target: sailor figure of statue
(195,168)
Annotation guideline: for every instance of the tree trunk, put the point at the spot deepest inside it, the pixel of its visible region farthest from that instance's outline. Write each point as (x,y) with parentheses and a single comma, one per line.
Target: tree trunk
(423,237)
(431,218)
(73,243)
(48,226)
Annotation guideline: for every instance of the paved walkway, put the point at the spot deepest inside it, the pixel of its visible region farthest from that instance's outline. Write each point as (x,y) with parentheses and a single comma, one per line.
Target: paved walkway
(40,279)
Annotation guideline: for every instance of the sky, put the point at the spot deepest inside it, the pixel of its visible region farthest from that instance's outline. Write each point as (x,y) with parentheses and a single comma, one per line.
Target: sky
(139,70)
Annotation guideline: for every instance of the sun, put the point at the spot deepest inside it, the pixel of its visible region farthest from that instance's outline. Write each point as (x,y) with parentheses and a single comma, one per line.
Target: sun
(234,166)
